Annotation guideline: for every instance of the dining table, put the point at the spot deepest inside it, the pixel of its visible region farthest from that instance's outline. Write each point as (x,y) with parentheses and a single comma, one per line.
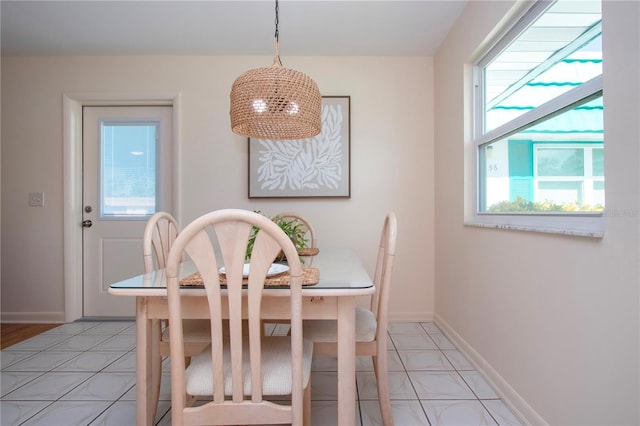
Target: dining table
(342,279)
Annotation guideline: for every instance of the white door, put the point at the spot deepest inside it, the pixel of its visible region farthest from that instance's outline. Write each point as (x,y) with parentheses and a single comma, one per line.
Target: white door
(127,176)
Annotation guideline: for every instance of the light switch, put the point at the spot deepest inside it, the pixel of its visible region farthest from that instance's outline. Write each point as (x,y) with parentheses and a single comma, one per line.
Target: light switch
(36,199)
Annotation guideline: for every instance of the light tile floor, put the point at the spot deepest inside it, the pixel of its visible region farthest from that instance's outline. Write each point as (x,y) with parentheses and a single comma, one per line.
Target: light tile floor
(83,373)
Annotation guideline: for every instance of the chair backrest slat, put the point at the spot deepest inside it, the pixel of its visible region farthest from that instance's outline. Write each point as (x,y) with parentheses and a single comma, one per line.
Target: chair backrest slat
(160,232)
(202,253)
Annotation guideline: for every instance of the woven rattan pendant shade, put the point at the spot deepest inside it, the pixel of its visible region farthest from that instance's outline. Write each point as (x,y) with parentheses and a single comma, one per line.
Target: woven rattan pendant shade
(275,103)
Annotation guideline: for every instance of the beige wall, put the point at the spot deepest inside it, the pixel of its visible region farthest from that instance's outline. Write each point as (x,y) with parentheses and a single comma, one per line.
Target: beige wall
(391,161)
(552,320)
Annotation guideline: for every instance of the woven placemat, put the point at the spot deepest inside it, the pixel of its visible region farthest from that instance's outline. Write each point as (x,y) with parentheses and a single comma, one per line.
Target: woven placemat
(310,276)
(308,251)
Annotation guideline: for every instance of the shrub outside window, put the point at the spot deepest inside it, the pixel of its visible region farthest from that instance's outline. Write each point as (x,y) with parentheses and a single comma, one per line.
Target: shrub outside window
(539,117)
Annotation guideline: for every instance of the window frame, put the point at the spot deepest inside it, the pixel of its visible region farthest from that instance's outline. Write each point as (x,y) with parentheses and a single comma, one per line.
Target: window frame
(590,224)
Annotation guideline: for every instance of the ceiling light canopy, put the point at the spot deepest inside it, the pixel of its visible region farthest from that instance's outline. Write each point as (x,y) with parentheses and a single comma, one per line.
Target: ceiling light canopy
(275,102)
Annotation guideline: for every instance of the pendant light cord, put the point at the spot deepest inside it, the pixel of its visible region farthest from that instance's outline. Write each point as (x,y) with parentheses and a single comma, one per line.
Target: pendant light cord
(277,37)
(277,34)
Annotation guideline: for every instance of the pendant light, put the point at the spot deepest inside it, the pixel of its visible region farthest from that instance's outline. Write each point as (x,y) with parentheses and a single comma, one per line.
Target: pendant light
(275,102)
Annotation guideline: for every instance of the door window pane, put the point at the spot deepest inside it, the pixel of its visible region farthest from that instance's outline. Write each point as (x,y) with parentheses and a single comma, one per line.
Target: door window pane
(128,178)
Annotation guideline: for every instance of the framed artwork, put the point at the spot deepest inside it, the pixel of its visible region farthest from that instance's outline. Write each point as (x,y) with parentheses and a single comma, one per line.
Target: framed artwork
(312,167)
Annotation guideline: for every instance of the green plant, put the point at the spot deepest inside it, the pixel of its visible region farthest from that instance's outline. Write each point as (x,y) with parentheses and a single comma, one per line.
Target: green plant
(292,227)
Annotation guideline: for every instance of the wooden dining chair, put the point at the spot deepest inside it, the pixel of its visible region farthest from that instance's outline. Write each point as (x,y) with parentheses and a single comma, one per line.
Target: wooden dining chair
(241,366)
(160,232)
(371,324)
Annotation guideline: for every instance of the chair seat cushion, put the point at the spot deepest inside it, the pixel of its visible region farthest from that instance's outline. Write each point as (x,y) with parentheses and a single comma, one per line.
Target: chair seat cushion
(327,330)
(276,368)
(192,331)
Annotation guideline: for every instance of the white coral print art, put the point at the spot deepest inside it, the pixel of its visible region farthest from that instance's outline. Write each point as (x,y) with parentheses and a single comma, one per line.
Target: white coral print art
(305,164)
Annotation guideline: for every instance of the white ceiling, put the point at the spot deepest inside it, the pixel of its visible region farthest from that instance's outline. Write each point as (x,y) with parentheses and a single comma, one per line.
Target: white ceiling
(307,27)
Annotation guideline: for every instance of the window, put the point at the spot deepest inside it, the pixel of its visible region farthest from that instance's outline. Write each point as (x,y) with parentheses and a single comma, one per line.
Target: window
(539,121)
(128,168)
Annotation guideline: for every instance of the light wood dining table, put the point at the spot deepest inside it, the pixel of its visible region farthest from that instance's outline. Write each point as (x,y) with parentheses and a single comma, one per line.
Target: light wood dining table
(343,278)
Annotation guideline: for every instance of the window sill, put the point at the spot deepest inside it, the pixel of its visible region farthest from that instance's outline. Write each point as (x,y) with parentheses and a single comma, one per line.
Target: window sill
(595,230)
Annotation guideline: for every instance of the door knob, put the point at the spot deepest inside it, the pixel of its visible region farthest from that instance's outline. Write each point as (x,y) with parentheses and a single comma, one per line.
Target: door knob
(86,224)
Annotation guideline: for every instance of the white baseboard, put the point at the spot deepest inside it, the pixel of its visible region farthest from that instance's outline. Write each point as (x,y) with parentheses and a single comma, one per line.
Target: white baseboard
(509,396)
(410,316)
(32,317)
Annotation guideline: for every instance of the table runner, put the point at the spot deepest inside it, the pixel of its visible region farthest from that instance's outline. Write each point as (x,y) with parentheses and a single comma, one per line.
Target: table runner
(310,276)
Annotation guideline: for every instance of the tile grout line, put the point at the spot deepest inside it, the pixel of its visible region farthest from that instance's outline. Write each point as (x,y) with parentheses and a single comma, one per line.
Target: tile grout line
(124,351)
(462,377)
(406,371)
